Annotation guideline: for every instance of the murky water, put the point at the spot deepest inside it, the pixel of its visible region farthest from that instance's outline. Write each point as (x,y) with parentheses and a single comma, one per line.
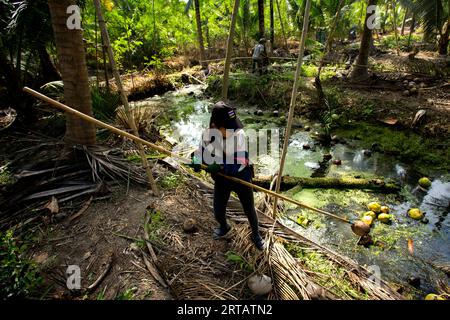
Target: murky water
(188,114)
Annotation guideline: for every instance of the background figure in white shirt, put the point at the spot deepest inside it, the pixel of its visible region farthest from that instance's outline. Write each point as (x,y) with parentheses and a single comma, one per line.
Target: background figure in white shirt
(259,55)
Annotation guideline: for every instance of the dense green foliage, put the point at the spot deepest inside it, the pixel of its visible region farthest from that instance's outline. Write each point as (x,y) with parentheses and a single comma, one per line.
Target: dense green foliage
(146,34)
(18,275)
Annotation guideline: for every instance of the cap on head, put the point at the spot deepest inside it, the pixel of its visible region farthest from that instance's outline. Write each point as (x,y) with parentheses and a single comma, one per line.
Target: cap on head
(224,116)
(262,40)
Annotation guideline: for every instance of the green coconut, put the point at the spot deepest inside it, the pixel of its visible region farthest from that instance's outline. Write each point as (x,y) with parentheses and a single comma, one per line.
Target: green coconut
(424,182)
(384,218)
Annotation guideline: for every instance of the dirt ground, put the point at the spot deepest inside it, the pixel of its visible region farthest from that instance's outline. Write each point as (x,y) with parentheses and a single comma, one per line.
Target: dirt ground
(192,264)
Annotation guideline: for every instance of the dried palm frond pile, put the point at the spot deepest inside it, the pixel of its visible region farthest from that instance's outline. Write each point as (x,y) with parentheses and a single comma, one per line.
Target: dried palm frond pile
(193,265)
(49,183)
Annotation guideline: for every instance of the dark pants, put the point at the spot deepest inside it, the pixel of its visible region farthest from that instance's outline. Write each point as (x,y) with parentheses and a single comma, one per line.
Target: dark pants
(222,191)
(258,65)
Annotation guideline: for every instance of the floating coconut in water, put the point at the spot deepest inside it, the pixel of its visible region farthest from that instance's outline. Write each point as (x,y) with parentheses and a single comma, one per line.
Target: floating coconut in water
(360,228)
(384,209)
(424,182)
(367,220)
(384,218)
(374,206)
(415,213)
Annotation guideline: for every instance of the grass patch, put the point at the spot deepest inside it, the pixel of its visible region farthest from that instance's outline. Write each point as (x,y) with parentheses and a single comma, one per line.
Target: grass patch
(171,181)
(155,228)
(19,276)
(5,177)
(389,41)
(233,257)
(137,158)
(406,146)
(128,294)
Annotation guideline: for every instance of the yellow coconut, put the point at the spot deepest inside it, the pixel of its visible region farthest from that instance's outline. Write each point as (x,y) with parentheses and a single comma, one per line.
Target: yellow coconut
(370,213)
(374,206)
(367,220)
(415,213)
(424,182)
(384,217)
(432,296)
(384,209)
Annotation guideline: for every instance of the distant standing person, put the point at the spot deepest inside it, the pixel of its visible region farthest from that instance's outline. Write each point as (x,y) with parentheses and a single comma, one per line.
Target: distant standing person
(258,56)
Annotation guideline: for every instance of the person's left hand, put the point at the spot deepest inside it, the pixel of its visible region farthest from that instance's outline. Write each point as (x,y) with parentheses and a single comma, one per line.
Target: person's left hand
(195,163)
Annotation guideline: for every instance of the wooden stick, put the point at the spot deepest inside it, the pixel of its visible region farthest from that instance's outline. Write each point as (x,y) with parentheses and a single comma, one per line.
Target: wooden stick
(293,101)
(123,97)
(103,274)
(99,123)
(226,72)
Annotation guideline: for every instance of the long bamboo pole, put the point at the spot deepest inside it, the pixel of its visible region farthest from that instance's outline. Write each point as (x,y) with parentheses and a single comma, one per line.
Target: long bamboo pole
(123,97)
(293,101)
(139,140)
(226,71)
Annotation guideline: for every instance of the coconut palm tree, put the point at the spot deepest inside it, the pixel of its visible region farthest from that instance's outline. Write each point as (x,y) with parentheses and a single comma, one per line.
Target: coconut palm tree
(360,69)
(72,65)
(435,18)
(25,34)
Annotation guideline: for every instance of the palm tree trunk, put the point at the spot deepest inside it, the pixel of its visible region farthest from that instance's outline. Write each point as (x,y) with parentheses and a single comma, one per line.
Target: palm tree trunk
(402,32)
(262,30)
(282,25)
(201,46)
(246,23)
(272,25)
(394,16)
(411,29)
(226,72)
(72,64)
(444,40)
(49,71)
(360,69)
(208,39)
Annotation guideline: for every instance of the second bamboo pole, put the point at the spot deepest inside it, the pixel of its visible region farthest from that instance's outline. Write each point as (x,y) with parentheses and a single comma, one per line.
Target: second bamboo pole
(123,97)
(293,102)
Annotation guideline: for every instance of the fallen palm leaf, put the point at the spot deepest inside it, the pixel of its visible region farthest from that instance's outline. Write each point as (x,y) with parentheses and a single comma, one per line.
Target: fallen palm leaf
(52,206)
